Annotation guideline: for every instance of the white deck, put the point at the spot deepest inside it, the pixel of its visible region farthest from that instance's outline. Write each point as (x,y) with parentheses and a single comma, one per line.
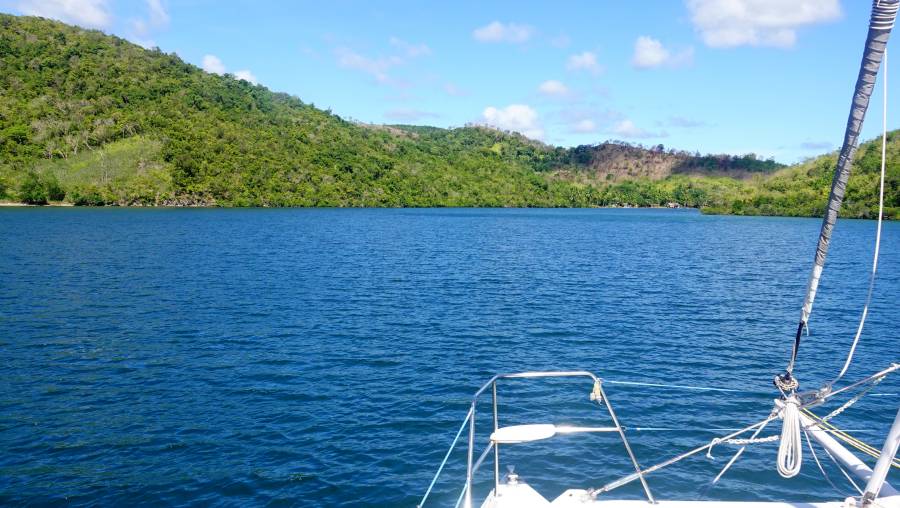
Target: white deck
(521,495)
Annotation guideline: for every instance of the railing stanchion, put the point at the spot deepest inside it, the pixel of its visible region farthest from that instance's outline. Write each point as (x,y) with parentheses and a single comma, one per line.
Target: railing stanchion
(496,445)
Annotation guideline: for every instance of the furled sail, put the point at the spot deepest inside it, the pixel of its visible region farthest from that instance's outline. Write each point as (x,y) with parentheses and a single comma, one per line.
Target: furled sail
(884,12)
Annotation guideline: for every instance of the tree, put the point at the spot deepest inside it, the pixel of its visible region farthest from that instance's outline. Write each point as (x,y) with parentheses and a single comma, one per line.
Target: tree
(32,190)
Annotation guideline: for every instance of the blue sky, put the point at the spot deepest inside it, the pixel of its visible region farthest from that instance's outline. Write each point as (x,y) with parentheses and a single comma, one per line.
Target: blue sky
(772,77)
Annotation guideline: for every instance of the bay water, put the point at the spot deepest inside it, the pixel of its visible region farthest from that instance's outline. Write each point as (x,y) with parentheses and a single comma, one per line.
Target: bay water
(312,357)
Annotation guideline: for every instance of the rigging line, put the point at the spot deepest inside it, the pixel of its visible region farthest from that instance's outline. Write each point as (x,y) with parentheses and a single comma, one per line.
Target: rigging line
(714,429)
(460,498)
(847,438)
(851,401)
(812,452)
(737,454)
(865,311)
(684,387)
(880,374)
(881,22)
(824,474)
(643,472)
(446,457)
(843,471)
(772,416)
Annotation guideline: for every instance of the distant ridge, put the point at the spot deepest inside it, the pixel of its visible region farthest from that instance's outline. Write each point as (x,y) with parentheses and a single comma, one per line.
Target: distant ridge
(92,119)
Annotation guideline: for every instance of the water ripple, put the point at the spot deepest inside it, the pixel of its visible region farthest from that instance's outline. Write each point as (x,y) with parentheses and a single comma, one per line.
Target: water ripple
(326,357)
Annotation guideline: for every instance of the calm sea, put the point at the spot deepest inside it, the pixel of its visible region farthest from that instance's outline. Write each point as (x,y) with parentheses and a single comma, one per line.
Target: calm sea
(327,357)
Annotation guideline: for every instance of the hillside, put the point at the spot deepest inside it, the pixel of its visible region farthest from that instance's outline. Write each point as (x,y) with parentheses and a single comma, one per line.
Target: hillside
(111,122)
(617,160)
(92,119)
(802,190)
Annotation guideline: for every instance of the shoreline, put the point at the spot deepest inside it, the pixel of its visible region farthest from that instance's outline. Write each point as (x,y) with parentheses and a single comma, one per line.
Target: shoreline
(61,204)
(14,204)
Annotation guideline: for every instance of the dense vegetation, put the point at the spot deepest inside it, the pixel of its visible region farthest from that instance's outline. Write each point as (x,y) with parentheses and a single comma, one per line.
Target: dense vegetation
(802,190)
(92,119)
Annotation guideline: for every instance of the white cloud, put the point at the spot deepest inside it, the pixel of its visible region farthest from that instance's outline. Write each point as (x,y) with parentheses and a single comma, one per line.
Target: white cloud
(379,67)
(410,50)
(650,53)
(157,18)
(158,14)
(519,118)
(375,67)
(584,61)
(730,23)
(87,13)
(503,32)
(581,118)
(246,75)
(628,130)
(584,126)
(554,88)
(212,64)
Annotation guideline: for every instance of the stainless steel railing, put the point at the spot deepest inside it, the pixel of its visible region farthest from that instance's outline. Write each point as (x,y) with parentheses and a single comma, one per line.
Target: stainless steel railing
(473,464)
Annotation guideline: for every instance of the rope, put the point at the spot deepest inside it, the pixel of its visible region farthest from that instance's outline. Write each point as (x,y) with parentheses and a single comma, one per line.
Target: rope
(737,454)
(769,439)
(812,452)
(850,440)
(634,476)
(850,402)
(880,25)
(716,429)
(772,416)
(842,470)
(822,397)
(460,498)
(865,311)
(790,450)
(741,442)
(446,457)
(682,387)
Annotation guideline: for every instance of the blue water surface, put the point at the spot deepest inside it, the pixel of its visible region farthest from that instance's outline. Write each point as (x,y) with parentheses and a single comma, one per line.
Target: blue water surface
(326,357)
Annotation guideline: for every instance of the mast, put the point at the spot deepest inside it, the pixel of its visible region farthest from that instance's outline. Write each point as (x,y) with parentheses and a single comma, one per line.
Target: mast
(884,12)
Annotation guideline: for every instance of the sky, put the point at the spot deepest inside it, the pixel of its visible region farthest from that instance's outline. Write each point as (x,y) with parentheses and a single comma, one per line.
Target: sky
(771,77)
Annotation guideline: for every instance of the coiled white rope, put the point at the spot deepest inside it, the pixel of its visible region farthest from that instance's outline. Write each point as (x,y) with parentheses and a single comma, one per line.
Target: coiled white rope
(790,448)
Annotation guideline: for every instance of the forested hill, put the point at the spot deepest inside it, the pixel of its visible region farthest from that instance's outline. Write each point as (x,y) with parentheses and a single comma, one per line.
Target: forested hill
(802,190)
(92,119)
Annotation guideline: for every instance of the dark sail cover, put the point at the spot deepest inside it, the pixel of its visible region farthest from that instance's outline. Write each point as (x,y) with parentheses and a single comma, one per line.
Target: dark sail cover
(884,12)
